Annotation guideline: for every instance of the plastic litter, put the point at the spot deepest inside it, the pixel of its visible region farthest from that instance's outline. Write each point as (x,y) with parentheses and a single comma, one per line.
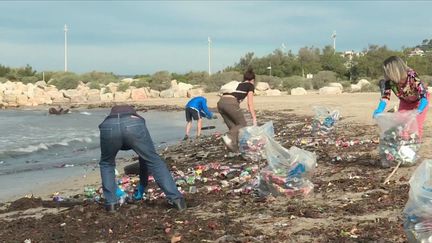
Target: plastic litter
(287,171)
(324,120)
(252,140)
(399,140)
(418,210)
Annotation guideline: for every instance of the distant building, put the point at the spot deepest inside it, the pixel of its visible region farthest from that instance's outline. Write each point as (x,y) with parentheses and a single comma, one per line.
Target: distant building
(416,52)
(351,54)
(309,76)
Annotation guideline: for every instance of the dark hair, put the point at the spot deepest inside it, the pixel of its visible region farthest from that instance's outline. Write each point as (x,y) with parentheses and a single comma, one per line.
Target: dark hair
(248,75)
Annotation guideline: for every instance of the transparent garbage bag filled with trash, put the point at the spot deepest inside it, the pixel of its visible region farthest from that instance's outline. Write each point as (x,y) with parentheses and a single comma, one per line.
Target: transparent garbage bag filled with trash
(399,140)
(252,140)
(288,171)
(324,120)
(418,210)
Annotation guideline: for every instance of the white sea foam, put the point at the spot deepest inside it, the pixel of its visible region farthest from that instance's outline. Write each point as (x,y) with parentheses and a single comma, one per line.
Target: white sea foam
(32,148)
(46,146)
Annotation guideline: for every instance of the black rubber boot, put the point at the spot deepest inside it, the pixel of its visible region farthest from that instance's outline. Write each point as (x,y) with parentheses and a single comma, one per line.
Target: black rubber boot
(179,204)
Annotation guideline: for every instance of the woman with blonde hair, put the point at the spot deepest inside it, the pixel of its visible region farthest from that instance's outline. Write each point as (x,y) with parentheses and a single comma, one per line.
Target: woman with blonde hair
(407,86)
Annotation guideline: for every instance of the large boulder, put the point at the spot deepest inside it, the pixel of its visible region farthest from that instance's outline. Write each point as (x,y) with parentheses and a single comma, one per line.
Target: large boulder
(15,88)
(10,97)
(355,88)
(127,80)
(112,87)
(336,85)
(298,91)
(184,86)
(363,82)
(120,96)
(229,87)
(31,90)
(54,94)
(75,96)
(8,85)
(273,92)
(60,100)
(107,97)
(82,87)
(50,88)
(154,93)
(23,100)
(180,93)
(69,93)
(168,93)
(41,84)
(195,92)
(93,95)
(2,87)
(330,90)
(174,83)
(262,86)
(259,93)
(177,90)
(139,94)
(39,96)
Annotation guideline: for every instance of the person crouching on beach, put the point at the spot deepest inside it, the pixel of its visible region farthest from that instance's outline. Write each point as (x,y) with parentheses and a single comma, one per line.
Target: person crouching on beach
(229,108)
(407,86)
(195,109)
(124,129)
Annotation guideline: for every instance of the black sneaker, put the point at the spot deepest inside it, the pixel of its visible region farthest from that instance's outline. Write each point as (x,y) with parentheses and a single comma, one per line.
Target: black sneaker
(112,208)
(186,137)
(179,204)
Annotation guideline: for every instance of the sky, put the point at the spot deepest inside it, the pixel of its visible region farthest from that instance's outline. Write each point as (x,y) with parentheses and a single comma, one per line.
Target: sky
(143,37)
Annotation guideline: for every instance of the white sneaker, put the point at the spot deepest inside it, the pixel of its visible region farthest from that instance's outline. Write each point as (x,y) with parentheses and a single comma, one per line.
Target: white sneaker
(228,142)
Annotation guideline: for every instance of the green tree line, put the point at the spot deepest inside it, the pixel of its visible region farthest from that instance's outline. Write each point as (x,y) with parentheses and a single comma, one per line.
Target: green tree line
(282,70)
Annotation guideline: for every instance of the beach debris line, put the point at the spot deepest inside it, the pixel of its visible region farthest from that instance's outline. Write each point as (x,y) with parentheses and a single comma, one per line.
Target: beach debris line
(203,178)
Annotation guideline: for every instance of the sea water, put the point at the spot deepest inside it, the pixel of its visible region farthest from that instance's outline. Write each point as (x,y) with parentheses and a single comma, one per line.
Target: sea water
(37,148)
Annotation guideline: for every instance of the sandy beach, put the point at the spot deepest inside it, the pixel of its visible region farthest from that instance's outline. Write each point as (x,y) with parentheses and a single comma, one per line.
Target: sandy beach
(349,202)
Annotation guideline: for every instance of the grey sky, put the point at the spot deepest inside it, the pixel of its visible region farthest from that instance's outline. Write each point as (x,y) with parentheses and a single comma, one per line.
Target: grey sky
(137,37)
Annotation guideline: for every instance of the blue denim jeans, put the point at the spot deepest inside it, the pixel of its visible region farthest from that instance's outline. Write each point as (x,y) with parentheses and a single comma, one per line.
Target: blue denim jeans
(131,132)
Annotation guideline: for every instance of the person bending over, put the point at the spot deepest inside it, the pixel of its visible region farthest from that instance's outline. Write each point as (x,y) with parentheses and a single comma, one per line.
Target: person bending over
(407,86)
(229,108)
(195,109)
(123,129)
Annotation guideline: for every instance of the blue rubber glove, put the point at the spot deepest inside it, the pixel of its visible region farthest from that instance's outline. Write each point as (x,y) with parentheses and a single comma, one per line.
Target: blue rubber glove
(120,193)
(423,104)
(380,108)
(139,193)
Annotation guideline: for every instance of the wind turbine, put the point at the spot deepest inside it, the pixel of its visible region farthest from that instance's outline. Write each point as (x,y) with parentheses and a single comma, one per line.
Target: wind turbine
(334,40)
(65,47)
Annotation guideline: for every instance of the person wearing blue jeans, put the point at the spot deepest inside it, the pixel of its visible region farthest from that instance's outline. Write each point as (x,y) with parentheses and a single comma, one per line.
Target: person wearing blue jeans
(125,129)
